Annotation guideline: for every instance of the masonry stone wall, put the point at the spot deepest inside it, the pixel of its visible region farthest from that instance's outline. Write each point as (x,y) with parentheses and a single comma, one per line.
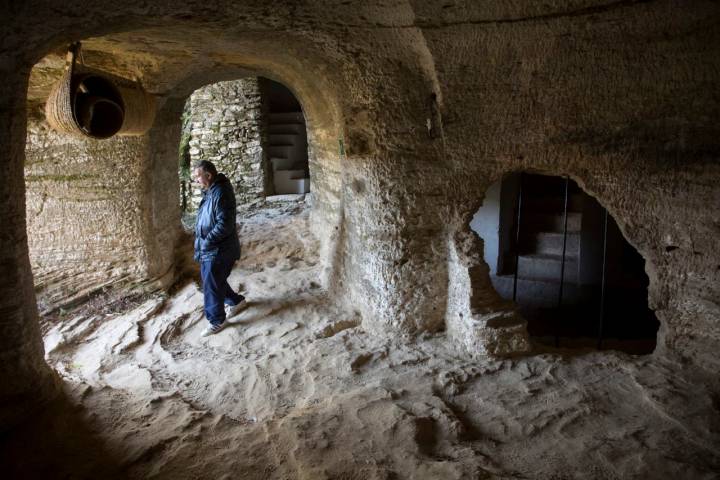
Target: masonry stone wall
(222,124)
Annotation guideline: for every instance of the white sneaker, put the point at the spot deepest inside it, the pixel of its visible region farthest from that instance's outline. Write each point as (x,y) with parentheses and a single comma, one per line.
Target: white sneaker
(232,310)
(212,329)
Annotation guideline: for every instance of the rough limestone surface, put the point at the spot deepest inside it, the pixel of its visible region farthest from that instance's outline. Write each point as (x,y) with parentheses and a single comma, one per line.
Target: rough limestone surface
(223,124)
(477,319)
(28,381)
(413,108)
(83,211)
(90,216)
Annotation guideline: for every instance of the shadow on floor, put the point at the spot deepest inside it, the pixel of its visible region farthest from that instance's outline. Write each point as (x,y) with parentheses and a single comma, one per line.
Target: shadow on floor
(261,310)
(57,443)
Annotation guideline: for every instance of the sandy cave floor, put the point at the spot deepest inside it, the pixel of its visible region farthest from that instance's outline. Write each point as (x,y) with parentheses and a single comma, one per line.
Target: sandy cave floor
(294,389)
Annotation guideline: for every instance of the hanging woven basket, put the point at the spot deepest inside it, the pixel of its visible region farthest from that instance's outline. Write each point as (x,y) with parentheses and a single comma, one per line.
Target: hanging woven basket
(139,110)
(92,105)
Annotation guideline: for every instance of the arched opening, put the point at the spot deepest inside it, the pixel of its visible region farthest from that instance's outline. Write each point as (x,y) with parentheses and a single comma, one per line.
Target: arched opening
(561,257)
(253,129)
(284,137)
(103,215)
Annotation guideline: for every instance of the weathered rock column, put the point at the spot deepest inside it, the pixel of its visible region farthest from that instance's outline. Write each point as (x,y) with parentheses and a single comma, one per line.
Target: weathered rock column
(27,381)
(395,253)
(478,320)
(403,266)
(414,268)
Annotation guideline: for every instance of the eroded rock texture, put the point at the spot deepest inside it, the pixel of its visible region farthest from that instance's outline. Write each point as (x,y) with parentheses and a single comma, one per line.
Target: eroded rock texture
(413,109)
(84,202)
(93,223)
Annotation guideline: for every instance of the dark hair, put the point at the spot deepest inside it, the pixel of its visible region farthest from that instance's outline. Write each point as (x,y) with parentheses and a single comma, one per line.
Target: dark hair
(206,166)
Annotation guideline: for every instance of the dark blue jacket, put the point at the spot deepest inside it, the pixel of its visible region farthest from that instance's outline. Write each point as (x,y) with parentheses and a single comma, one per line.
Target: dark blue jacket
(215,232)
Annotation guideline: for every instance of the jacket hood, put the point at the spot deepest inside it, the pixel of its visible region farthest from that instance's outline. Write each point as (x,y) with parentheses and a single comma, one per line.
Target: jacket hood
(221,178)
(220,182)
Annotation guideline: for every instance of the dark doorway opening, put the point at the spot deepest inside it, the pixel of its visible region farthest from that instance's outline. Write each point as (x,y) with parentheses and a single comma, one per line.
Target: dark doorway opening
(285,140)
(556,252)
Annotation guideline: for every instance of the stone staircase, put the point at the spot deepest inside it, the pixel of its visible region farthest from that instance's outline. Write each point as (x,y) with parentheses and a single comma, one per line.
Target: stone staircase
(287,149)
(541,244)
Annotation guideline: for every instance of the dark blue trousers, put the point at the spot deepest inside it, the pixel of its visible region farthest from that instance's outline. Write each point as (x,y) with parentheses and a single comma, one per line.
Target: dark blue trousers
(216,290)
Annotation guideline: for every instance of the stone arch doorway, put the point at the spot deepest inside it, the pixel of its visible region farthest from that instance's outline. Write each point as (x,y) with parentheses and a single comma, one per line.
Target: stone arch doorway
(131,182)
(561,257)
(254,130)
(135,226)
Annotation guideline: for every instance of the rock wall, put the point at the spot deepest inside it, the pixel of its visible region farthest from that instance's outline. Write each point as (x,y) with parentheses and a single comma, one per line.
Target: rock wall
(27,380)
(628,123)
(223,124)
(478,321)
(91,218)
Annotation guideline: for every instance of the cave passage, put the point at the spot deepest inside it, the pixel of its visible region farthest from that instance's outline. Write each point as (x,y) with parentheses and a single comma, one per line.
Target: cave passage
(285,139)
(556,252)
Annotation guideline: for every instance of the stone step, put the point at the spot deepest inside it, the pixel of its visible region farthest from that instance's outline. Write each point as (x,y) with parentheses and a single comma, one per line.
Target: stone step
(286,128)
(280,151)
(286,197)
(290,182)
(552,222)
(282,163)
(289,174)
(282,139)
(547,267)
(535,293)
(551,243)
(552,204)
(302,185)
(286,117)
